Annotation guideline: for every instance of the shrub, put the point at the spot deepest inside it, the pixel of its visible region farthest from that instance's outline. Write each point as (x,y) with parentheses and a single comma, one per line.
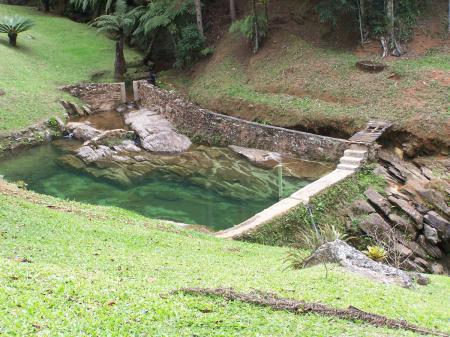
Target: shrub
(13,26)
(189,46)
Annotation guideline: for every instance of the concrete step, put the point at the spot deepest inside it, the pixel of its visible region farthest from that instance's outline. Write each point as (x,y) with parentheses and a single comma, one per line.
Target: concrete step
(355,153)
(347,167)
(351,160)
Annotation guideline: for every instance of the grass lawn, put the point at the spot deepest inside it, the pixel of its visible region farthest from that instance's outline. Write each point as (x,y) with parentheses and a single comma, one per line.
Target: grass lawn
(55,52)
(92,271)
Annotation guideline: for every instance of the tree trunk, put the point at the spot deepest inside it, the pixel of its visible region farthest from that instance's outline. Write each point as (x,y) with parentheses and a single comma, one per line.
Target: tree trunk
(449,16)
(255,28)
(46,6)
(120,66)
(233,10)
(361,19)
(393,45)
(148,52)
(12,39)
(198,11)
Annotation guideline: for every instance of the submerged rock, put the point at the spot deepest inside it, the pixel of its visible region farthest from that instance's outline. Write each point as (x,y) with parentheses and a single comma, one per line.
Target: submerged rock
(353,260)
(292,166)
(217,169)
(156,133)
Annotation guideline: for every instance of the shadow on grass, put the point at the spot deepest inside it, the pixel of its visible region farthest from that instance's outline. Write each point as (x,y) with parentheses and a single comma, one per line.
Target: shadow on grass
(21,48)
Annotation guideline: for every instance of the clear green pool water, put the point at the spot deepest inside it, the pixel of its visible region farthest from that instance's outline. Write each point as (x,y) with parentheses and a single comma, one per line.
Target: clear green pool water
(160,195)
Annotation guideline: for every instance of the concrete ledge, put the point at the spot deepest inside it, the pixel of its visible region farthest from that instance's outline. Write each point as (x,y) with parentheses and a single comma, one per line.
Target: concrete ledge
(302,196)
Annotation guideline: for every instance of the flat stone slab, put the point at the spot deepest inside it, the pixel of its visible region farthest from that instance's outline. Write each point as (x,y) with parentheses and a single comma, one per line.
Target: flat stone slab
(156,133)
(353,260)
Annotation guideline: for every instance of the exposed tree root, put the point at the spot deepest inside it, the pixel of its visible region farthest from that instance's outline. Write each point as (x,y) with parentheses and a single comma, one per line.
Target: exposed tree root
(302,307)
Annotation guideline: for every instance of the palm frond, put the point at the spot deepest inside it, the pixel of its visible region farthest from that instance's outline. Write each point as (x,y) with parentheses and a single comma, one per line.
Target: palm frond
(15,24)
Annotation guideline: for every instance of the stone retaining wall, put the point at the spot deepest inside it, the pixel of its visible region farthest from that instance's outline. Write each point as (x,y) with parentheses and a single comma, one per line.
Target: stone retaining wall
(213,128)
(34,135)
(99,96)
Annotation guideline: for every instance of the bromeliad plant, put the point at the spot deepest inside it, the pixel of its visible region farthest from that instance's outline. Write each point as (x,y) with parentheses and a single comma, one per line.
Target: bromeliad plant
(13,26)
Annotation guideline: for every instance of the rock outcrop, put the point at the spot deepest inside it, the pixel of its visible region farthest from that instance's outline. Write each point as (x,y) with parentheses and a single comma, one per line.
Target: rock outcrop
(353,260)
(156,133)
(411,217)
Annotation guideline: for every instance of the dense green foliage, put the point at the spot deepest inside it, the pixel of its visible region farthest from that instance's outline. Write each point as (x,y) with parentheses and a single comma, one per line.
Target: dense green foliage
(370,16)
(328,213)
(70,269)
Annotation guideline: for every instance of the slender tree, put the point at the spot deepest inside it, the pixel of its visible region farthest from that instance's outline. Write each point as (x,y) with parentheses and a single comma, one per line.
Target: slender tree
(118,25)
(392,41)
(233,10)
(198,12)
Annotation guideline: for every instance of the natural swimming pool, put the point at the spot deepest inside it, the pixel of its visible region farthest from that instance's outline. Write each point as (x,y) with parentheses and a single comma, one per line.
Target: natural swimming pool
(207,186)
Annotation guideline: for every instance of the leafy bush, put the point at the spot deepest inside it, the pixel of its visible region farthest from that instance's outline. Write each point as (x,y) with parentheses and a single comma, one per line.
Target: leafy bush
(189,46)
(13,26)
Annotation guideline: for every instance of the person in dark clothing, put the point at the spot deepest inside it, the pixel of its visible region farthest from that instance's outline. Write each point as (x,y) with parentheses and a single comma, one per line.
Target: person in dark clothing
(152,77)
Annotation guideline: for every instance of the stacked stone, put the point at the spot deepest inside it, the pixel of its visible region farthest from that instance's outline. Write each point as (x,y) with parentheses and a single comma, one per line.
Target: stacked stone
(412,214)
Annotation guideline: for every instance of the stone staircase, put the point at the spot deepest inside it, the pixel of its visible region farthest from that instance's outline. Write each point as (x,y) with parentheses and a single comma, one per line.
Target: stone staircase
(353,158)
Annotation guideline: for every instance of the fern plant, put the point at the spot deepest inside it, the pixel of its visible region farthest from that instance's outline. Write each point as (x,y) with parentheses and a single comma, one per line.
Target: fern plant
(13,26)
(118,26)
(253,27)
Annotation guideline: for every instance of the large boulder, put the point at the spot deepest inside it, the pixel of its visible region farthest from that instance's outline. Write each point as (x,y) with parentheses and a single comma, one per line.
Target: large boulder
(156,133)
(353,260)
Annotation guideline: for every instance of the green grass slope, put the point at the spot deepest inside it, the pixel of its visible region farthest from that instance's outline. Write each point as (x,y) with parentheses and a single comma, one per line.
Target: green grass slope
(68,269)
(55,52)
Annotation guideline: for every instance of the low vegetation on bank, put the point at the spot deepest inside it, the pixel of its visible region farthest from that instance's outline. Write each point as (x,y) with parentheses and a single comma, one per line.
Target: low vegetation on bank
(327,211)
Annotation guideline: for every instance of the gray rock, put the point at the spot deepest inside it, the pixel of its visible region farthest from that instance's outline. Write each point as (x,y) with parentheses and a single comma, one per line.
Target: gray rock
(409,209)
(128,146)
(431,234)
(435,198)
(422,279)
(378,201)
(375,226)
(433,251)
(360,207)
(353,260)
(439,223)
(91,154)
(156,133)
(82,131)
(437,268)
(401,223)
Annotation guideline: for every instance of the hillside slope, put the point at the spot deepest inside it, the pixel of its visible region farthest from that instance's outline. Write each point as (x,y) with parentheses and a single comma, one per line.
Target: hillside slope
(300,81)
(69,269)
(55,52)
